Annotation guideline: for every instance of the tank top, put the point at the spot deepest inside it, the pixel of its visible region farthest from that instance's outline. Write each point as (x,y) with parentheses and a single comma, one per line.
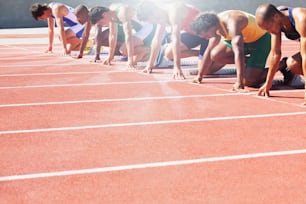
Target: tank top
(292,35)
(191,14)
(70,20)
(251,33)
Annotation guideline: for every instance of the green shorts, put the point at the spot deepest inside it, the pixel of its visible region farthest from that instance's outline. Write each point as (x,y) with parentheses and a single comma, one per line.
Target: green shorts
(258,51)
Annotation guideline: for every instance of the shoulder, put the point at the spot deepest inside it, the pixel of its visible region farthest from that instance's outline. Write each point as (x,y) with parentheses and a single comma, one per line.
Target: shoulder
(299,13)
(176,7)
(233,16)
(60,10)
(177,10)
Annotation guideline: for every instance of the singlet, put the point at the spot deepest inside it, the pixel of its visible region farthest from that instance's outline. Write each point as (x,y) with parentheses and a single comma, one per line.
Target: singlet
(117,9)
(135,24)
(292,35)
(70,20)
(192,13)
(251,33)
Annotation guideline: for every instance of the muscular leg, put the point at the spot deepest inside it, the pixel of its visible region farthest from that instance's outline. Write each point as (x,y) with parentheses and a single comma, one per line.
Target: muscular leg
(185,51)
(72,40)
(136,43)
(141,52)
(222,54)
(294,63)
(254,76)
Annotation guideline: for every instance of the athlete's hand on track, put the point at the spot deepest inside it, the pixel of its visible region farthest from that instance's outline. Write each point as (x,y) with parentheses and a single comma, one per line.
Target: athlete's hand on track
(178,73)
(264,90)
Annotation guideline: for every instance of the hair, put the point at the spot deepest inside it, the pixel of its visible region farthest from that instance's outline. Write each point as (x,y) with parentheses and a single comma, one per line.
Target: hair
(96,13)
(204,22)
(269,11)
(81,10)
(145,9)
(37,10)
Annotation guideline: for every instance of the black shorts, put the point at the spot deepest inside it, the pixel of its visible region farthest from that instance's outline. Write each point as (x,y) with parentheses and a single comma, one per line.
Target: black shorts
(192,41)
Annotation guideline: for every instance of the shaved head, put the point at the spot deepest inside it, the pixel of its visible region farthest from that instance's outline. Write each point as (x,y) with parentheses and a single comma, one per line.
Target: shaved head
(266,13)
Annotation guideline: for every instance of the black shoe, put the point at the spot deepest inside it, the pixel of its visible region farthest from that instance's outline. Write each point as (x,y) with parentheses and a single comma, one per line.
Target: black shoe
(288,75)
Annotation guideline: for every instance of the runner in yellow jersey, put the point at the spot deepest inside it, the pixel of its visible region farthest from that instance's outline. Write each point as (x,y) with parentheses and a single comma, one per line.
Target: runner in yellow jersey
(234,38)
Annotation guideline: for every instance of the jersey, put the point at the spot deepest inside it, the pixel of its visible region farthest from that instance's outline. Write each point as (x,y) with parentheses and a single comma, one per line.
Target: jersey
(251,33)
(292,35)
(70,20)
(192,13)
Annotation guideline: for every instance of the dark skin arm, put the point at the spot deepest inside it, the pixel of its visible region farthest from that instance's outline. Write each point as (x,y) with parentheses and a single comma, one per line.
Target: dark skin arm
(85,38)
(206,62)
(274,56)
(98,41)
(300,19)
(235,24)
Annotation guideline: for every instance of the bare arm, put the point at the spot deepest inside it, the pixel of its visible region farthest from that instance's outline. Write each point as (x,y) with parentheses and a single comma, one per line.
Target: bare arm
(175,17)
(176,38)
(235,26)
(125,16)
(59,12)
(274,58)
(98,39)
(85,38)
(300,18)
(113,29)
(127,28)
(50,33)
(155,46)
(303,55)
(206,62)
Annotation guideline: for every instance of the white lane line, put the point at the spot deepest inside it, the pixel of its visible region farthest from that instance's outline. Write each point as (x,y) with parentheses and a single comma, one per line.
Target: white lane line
(116,100)
(161,122)
(282,102)
(165,80)
(151,165)
(38,64)
(51,73)
(89,84)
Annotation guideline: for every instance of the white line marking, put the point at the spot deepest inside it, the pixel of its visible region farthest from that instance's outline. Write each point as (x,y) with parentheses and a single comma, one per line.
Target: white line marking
(152,165)
(161,122)
(90,84)
(51,73)
(65,64)
(282,102)
(115,100)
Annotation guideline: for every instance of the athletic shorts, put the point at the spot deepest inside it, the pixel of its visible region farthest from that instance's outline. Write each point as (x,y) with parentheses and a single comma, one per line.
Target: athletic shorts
(145,33)
(258,51)
(192,41)
(78,29)
(120,33)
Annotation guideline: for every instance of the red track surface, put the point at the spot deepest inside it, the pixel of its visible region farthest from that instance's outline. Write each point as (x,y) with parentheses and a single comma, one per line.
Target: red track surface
(72,131)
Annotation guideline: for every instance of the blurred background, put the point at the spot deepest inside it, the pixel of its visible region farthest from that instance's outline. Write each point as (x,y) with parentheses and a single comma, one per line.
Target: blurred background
(16,13)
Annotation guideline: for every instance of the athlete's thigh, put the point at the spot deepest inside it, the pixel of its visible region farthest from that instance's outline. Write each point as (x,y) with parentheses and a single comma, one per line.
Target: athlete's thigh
(295,63)
(222,51)
(69,33)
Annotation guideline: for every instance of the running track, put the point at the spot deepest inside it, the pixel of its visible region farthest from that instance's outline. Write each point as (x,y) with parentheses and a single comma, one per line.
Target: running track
(72,131)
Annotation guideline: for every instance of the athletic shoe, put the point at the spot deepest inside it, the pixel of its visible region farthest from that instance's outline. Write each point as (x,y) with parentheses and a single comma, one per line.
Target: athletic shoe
(223,71)
(296,81)
(288,75)
(89,47)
